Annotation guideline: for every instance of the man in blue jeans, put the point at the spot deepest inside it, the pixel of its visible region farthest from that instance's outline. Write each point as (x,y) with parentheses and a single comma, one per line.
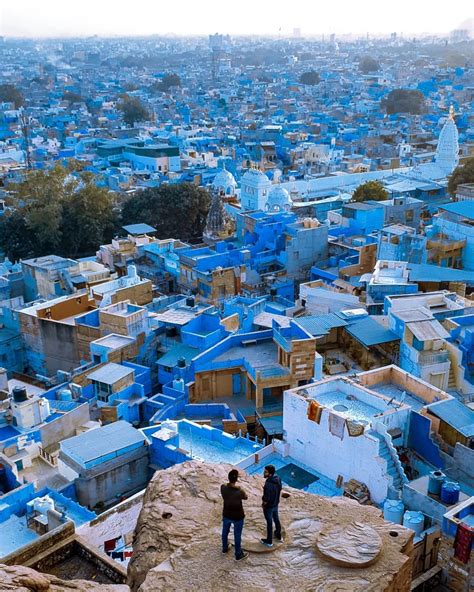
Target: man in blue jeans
(270,501)
(233,513)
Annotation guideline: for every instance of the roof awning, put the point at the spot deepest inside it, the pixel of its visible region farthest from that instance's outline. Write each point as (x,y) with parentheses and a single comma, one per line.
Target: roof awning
(272,425)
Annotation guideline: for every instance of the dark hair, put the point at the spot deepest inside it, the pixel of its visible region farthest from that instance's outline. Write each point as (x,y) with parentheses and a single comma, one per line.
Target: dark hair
(270,469)
(233,475)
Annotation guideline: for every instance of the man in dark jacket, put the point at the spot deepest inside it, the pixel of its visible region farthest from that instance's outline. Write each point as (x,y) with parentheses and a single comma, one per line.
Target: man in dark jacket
(270,501)
(233,514)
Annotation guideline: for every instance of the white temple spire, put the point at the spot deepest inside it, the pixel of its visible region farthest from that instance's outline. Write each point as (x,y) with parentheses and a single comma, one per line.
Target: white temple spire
(447,151)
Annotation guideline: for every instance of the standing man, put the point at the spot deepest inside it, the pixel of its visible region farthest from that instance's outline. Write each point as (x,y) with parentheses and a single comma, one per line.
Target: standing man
(270,501)
(233,513)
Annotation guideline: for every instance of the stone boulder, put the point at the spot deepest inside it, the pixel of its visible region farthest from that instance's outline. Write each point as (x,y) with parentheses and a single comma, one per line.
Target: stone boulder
(177,540)
(16,578)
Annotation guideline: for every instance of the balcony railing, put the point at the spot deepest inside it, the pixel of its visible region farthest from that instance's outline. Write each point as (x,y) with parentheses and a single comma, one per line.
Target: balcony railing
(433,358)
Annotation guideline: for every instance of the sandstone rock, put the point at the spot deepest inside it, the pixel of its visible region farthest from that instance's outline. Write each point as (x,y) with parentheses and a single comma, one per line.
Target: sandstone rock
(177,540)
(24,579)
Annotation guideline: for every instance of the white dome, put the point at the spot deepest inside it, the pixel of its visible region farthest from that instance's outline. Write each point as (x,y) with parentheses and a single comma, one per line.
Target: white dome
(224,181)
(279,200)
(255,178)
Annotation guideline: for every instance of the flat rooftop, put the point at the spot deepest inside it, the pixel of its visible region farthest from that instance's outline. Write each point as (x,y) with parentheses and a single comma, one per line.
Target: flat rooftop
(259,355)
(348,405)
(392,390)
(114,341)
(293,473)
(349,399)
(177,316)
(110,373)
(102,442)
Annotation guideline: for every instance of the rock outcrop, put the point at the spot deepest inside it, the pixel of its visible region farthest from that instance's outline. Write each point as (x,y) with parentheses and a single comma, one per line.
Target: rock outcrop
(16,578)
(177,540)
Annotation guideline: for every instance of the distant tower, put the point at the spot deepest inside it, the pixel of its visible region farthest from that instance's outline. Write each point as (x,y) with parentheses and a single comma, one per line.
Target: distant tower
(25,130)
(447,152)
(219,46)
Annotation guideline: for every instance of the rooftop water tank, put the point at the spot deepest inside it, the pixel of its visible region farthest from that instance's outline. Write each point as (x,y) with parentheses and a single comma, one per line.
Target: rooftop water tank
(65,395)
(178,384)
(435,481)
(181,363)
(43,504)
(393,511)
(450,492)
(414,520)
(19,394)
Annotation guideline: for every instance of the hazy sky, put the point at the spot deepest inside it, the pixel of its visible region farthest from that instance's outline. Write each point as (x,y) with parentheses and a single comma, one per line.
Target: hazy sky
(50,18)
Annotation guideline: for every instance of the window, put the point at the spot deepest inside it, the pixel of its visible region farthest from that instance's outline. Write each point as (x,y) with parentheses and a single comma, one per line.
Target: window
(103,391)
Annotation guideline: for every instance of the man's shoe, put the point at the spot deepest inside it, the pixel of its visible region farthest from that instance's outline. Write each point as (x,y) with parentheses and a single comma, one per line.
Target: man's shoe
(266,543)
(242,556)
(225,550)
(278,538)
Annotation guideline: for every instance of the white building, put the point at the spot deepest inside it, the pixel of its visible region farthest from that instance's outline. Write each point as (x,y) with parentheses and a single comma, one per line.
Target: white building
(255,187)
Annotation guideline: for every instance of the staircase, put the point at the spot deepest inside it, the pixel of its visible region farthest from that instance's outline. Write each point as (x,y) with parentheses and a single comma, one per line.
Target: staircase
(394,467)
(451,379)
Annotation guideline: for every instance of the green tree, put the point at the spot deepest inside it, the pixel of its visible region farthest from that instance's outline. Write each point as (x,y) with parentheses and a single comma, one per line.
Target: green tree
(368,64)
(176,211)
(57,212)
(89,218)
(10,94)
(464,173)
(403,100)
(133,110)
(310,78)
(168,81)
(370,190)
(40,198)
(17,240)
(72,97)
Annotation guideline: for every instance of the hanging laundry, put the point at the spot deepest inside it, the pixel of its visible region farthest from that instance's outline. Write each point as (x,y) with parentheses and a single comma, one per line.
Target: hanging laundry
(336,425)
(117,555)
(128,554)
(354,428)
(314,411)
(463,543)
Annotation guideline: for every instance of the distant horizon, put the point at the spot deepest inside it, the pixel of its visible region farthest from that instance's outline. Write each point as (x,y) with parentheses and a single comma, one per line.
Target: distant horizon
(371,36)
(56,19)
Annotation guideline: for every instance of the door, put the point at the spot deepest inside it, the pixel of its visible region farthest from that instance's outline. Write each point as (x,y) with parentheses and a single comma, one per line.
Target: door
(437,379)
(236,384)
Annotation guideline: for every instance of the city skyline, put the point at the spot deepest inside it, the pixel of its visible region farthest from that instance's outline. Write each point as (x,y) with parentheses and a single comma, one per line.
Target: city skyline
(110,19)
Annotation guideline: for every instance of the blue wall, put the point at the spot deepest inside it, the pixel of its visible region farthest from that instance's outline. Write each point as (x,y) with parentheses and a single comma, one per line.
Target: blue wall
(419,440)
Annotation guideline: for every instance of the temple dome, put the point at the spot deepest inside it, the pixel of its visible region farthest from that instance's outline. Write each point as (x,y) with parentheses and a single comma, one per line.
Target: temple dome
(224,182)
(255,178)
(279,200)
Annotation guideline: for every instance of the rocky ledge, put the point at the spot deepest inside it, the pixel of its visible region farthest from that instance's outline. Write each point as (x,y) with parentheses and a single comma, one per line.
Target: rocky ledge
(177,540)
(331,544)
(16,578)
